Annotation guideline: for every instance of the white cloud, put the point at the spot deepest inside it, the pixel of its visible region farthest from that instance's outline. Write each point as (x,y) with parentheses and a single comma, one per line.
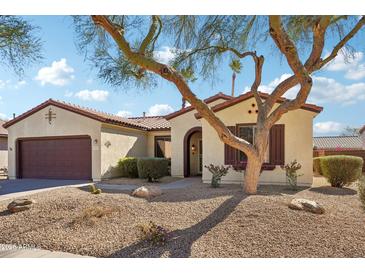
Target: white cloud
(4,83)
(166,55)
(159,109)
(329,90)
(324,90)
(20,84)
(124,113)
(69,93)
(329,127)
(3,116)
(9,85)
(58,74)
(92,95)
(353,67)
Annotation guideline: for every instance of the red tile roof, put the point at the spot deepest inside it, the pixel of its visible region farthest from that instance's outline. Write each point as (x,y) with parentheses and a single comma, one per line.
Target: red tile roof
(142,123)
(3,131)
(208,100)
(337,142)
(263,95)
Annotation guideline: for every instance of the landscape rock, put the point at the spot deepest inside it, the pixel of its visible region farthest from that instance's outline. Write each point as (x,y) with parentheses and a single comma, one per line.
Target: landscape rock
(306,205)
(147,192)
(20,205)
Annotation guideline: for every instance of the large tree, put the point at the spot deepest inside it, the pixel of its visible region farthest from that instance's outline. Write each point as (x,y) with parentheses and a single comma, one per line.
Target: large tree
(123,50)
(19,44)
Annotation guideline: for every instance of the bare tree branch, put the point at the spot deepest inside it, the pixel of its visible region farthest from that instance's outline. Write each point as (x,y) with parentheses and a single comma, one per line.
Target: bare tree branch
(170,74)
(310,64)
(151,34)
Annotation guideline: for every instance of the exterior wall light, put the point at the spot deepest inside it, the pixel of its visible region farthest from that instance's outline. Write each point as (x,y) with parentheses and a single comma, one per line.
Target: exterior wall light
(95,141)
(193,149)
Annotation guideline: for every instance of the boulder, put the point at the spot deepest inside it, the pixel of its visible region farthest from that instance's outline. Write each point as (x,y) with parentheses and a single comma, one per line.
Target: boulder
(306,205)
(20,205)
(147,192)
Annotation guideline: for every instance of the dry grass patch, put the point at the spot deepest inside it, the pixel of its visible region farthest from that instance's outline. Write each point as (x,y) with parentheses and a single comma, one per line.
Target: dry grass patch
(90,215)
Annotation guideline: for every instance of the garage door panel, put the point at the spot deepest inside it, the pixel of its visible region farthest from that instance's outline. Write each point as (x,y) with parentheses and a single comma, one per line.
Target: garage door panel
(68,158)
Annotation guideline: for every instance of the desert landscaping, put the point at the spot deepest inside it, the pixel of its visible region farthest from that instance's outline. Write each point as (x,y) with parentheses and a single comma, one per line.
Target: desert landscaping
(202,222)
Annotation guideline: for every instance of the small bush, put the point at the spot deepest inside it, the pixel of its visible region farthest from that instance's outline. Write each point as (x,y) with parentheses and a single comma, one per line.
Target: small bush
(341,170)
(361,190)
(128,167)
(94,190)
(152,168)
(217,173)
(317,166)
(291,173)
(153,233)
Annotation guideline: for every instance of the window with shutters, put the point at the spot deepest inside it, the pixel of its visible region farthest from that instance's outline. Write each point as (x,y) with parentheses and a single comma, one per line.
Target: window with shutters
(248,132)
(163,146)
(275,153)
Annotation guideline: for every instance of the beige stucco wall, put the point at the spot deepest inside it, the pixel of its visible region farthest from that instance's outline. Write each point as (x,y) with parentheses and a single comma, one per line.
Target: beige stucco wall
(180,125)
(66,124)
(298,143)
(151,140)
(3,152)
(118,142)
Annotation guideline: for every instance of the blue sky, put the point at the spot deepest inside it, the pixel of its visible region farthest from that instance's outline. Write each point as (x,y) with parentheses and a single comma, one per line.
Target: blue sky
(65,75)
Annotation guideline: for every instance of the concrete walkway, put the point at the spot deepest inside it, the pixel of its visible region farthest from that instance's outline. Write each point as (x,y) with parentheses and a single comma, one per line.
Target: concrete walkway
(183,183)
(12,251)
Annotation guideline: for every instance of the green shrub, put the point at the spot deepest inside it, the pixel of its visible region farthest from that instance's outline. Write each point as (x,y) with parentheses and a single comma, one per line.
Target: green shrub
(152,168)
(217,173)
(128,167)
(361,190)
(317,166)
(291,173)
(94,190)
(341,170)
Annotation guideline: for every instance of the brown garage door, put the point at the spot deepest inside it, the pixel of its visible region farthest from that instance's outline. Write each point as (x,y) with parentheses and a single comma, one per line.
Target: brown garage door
(55,158)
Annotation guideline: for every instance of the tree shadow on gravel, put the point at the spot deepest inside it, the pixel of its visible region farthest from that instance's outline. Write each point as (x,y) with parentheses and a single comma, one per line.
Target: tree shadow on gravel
(5,213)
(180,241)
(329,190)
(206,192)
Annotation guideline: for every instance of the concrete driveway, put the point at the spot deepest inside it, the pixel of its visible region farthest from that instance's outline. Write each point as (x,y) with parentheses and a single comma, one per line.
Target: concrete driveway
(17,188)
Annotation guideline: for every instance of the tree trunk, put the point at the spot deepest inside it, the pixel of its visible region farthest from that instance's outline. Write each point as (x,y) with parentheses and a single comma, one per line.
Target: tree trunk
(252,175)
(255,161)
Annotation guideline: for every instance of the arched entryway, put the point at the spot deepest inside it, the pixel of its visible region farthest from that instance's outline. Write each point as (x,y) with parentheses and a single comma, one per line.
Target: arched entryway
(193,152)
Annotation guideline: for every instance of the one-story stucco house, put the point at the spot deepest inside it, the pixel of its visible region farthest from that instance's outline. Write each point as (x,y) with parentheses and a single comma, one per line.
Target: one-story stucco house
(61,140)
(3,146)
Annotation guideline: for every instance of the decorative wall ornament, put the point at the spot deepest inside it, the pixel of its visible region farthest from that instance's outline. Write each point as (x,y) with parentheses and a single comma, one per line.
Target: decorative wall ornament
(50,115)
(108,144)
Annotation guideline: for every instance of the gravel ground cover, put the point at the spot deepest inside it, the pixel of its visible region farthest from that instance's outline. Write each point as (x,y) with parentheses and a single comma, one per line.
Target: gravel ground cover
(203,222)
(140,182)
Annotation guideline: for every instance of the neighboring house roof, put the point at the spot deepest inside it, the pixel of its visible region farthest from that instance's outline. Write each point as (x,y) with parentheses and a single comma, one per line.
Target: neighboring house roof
(208,100)
(152,122)
(249,95)
(3,131)
(337,142)
(362,129)
(142,123)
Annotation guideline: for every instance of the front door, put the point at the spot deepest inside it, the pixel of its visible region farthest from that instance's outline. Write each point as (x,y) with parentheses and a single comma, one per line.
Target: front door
(200,151)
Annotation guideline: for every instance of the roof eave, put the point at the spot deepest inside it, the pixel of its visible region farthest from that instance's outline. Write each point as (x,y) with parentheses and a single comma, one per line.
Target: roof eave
(211,99)
(249,95)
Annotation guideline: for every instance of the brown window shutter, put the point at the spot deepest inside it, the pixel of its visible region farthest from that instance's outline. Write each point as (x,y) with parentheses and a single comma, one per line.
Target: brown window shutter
(277,145)
(230,153)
